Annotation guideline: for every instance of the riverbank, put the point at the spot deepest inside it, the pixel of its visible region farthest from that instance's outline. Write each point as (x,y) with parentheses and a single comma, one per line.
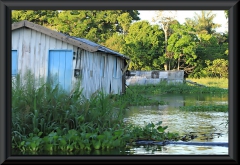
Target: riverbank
(47,119)
(211,82)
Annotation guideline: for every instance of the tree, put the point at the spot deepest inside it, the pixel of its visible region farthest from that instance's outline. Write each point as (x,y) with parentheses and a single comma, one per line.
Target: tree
(182,43)
(164,18)
(217,68)
(41,17)
(226,12)
(115,42)
(95,25)
(203,23)
(209,47)
(144,45)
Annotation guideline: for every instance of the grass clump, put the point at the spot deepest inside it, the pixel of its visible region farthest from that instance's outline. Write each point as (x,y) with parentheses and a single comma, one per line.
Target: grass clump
(182,88)
(46,118)
(205,108)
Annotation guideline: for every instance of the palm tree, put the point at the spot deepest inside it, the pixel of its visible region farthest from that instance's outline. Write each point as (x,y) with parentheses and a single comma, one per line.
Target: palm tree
(203,22)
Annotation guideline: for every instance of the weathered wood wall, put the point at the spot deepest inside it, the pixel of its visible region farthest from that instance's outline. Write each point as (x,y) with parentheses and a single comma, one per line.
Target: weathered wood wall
(33,52)
(96,76)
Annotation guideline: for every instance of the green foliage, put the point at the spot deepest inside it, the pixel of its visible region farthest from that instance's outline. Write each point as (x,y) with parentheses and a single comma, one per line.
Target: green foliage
(226,12)
(205,108)
(152,131)
(164,87)
(47,107)
(144,45)
(74,140)
(203,23)
(209,48)
(45,118)
(182,43)
(115,42)
(136,96)
(41,17)
(211,82)
(217,68)
(186,46)
(95,25)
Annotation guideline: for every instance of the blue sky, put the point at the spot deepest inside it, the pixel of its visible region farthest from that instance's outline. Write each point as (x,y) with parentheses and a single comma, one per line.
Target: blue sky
(182,14)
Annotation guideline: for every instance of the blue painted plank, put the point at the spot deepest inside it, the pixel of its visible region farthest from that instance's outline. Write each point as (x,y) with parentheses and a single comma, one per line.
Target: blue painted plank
(60,68)
(68,70)
(14,62)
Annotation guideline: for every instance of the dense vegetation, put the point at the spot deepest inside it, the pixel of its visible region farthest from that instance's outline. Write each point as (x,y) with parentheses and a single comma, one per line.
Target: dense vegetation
(45,118)
(193,46)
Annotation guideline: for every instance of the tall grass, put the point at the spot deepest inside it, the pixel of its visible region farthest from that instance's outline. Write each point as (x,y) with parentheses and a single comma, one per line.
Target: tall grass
(44,114)
(46,117)
(212,82)
(164,87)
(46,108)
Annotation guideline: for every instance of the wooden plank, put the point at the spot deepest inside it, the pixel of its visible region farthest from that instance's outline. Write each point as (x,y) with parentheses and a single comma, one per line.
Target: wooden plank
(32,45)
(17,25)
(126,67)
(20,52)
(61,37)
(15,39)
(38,53)
(43,55)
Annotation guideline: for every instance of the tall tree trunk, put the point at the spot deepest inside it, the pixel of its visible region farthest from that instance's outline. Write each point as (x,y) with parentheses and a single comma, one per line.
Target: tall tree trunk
(178,62)
(165,29)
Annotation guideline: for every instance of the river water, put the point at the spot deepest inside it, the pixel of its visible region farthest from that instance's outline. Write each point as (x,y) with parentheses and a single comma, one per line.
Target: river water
(208,126)
(182,122)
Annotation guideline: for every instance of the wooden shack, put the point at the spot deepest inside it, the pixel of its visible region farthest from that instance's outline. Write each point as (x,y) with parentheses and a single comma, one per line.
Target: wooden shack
(47,53)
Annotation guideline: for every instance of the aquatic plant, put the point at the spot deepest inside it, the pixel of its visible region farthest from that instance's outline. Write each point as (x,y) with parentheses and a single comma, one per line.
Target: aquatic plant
(203,108)
(46,118)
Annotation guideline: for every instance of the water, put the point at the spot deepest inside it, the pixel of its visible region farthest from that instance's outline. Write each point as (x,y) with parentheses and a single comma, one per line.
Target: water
(185,122)
(178,121)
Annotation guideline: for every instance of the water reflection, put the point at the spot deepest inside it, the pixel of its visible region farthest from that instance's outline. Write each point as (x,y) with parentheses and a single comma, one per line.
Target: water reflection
(205,124)
(182,122)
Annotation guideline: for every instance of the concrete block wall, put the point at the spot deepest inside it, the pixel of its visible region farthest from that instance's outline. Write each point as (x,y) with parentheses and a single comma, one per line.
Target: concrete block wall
(155,77)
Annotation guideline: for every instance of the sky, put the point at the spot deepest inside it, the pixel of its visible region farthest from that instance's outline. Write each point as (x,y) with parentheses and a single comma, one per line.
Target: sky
(181,15)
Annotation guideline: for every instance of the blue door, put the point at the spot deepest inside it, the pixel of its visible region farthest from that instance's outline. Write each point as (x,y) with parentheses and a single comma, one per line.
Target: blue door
(60,68)
(14,62)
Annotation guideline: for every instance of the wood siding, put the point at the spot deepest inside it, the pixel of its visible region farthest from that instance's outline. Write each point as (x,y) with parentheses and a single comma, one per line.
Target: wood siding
(95,76)
(33,53)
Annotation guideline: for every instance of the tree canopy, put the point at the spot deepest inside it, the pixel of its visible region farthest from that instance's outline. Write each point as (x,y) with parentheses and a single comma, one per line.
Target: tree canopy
(193,46)
(144,45)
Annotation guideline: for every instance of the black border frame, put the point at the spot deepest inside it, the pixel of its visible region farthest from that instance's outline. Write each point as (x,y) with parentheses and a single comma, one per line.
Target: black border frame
(5,79)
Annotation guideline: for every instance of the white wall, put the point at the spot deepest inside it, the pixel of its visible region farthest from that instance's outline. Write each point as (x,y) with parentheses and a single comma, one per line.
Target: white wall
(33,50)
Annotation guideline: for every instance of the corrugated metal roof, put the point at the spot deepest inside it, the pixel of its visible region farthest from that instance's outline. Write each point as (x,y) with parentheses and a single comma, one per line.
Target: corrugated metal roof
(100,47)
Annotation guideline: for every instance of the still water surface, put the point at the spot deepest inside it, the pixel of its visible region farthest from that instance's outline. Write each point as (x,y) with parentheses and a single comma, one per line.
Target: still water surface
(178,121)
(184,122)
